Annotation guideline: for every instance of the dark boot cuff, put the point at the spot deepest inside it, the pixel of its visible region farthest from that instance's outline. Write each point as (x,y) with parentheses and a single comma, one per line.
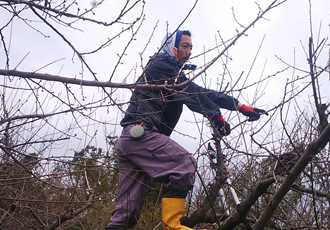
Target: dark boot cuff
(174,193)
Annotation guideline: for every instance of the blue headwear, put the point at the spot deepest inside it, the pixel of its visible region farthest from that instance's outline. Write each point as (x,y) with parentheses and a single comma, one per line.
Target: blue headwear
(171,48)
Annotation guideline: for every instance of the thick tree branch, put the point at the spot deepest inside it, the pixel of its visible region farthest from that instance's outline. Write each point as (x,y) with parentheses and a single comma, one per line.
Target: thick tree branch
(75,81)
(199,215)
(312,150)
(239,215)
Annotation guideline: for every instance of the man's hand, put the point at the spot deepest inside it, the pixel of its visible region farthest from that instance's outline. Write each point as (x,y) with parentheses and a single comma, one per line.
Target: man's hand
(222,126)
(251,112)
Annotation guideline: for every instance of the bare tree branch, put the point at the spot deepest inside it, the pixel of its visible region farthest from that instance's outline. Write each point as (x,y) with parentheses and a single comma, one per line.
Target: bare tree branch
(312,150)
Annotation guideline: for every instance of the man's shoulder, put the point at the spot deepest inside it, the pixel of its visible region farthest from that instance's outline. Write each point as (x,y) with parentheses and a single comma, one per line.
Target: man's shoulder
(162,61)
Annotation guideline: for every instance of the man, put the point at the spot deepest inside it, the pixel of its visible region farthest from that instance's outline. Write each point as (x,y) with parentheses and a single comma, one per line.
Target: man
(145,150)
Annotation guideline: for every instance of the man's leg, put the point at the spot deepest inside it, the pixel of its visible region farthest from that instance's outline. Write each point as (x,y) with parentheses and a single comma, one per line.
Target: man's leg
(133,187)
(160,158)
(166,161)
(179,171)
(173,198)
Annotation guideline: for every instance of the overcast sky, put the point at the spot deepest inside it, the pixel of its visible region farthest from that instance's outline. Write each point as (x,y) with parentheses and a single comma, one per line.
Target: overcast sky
(283,34)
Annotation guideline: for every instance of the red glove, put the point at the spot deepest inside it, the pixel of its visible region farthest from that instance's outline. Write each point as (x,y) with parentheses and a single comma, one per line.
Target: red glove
(222,126)
(251,112)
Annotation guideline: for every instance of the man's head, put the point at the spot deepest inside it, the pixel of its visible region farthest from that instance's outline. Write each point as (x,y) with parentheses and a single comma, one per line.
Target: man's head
(177,47)
(185,47)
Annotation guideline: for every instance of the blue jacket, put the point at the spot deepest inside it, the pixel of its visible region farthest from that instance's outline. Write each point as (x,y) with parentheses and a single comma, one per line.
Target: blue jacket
(162,108)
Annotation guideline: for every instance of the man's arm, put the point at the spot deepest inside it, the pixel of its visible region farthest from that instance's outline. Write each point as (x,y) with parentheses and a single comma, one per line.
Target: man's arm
(230,103)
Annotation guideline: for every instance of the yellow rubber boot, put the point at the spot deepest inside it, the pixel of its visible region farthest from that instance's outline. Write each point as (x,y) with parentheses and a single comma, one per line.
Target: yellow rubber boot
(172,211)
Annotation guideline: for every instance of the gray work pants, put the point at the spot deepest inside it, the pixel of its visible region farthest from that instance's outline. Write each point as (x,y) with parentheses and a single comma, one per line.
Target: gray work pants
(154,156)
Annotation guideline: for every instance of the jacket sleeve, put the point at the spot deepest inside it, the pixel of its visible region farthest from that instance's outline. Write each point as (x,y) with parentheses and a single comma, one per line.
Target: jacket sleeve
(205,101)
(221,99)
(195,97)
